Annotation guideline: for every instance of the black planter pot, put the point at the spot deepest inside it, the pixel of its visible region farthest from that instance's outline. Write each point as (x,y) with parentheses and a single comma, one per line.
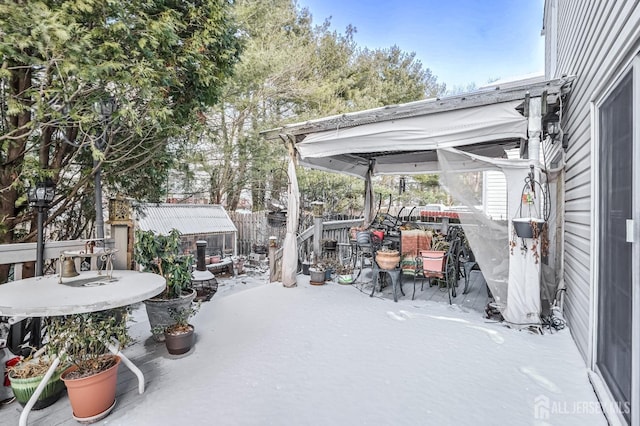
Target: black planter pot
(178,344)
(524,227)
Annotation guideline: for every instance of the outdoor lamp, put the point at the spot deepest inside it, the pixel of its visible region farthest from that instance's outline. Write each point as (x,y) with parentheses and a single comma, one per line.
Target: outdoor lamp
(105,108)
(42,194)
(41,197)
(552,126)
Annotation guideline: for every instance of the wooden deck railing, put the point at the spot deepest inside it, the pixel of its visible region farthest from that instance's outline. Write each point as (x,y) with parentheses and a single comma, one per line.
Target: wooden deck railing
(336,229)
(21,253)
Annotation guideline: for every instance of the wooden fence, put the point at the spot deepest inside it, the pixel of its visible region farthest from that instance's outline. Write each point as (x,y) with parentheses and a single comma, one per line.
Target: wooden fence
(255,229)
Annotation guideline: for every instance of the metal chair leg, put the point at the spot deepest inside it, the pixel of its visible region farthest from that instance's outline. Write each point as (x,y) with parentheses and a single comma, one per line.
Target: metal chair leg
(413,296)
(374,280)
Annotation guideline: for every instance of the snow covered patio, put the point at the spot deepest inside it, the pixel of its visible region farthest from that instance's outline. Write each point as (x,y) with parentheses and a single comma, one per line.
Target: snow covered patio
(331,355)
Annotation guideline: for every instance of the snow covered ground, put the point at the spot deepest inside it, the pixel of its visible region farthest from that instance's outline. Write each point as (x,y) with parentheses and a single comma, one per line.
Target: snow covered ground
(331,355)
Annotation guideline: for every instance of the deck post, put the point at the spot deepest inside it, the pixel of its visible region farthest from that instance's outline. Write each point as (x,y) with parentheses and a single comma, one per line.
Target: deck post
(273,269)
(121,232)
(318,212)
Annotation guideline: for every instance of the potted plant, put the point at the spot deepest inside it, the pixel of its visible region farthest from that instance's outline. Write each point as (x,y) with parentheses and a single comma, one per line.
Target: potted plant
(330,266)
(387,259)
(27,375)
(530,228)
(317,274)
(81,341)
(178,337)
(161,254)
(527,227)
(345,274)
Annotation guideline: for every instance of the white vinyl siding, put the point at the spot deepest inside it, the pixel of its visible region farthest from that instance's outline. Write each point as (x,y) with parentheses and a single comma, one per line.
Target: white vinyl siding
(594,41)
(495,197)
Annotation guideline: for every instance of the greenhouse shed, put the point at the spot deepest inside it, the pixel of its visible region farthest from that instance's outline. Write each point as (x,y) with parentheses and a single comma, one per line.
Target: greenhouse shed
(207,222)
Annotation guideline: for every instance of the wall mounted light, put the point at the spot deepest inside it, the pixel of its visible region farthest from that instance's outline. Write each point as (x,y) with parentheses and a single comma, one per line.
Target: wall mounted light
(551,125)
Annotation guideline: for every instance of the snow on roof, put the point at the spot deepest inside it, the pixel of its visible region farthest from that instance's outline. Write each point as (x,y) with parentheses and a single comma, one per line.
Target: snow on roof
(186,218)
(515,81)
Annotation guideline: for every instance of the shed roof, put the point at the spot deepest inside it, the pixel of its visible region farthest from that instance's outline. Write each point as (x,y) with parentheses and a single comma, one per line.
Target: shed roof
(189,219)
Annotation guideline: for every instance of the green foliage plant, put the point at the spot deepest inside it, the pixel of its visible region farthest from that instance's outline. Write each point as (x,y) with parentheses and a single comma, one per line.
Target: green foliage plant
(181,317)
(80,339)
(163,62)
(161,255)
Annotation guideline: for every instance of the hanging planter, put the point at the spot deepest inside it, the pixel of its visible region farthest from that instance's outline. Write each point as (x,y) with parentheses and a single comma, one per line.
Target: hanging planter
(530,231)
(528,227)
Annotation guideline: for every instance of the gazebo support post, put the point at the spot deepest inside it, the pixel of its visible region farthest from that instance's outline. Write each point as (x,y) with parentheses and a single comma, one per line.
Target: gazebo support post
(318,212)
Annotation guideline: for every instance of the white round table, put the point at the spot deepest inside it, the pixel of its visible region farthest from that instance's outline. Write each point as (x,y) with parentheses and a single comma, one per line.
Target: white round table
(88,292)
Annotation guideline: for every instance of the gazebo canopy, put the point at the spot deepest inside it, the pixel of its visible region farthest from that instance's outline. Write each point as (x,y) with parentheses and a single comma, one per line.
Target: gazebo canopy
(403,139)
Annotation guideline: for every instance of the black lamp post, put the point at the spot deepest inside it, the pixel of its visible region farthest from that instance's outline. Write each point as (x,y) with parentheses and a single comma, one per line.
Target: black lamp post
(40,197)
(105,109)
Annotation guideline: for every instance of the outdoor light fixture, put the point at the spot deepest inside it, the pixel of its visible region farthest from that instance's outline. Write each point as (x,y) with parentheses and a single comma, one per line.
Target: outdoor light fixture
(42,194)
(105,108)
(552,126)
(40,197)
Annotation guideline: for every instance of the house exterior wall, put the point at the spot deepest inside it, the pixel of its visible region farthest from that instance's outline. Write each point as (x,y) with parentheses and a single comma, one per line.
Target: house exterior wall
(495,195)
(592,40)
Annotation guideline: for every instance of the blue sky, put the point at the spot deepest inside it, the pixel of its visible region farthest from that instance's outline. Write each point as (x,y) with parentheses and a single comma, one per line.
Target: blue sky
(460,41)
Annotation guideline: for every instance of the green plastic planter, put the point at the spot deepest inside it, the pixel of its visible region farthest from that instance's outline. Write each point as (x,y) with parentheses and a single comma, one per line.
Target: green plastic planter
(24,388)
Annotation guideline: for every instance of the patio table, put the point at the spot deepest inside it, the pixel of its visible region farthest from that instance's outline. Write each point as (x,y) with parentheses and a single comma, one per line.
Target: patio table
(88,292)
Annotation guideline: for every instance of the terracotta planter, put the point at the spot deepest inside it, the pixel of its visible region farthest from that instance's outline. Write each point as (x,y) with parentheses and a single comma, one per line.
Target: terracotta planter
(158,312)
(388,259)
(180,343)
(92,396)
